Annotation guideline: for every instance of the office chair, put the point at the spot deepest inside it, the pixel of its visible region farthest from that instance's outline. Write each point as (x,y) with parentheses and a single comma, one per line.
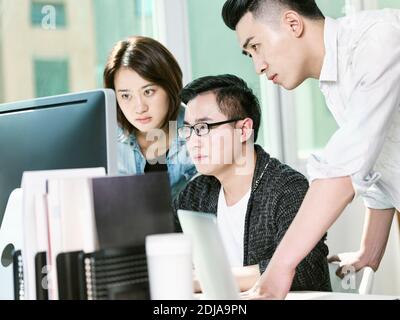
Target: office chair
(360,283)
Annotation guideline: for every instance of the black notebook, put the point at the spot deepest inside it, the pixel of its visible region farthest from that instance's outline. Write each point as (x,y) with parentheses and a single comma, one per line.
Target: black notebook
(128,208)
(41,276)
(69,271)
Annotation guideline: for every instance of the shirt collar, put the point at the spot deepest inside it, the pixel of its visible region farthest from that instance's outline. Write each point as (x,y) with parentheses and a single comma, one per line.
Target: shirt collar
(329,70)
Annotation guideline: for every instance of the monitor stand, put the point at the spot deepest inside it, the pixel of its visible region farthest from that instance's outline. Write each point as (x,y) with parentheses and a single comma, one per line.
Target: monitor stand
(10,240)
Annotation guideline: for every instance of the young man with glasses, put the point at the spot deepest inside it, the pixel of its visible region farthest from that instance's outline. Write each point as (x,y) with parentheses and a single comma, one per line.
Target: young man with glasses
(254,196)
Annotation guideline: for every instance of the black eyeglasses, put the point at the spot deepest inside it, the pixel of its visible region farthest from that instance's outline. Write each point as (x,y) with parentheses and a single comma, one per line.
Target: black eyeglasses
(201,129)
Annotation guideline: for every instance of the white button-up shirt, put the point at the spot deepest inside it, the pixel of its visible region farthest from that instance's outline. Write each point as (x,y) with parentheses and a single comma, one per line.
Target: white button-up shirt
(360,79)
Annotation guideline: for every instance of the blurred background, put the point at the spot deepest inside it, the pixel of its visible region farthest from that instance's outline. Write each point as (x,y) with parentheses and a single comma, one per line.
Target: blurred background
(58,46)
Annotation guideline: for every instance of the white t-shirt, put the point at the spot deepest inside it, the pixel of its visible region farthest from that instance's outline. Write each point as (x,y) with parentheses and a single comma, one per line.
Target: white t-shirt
(231,222)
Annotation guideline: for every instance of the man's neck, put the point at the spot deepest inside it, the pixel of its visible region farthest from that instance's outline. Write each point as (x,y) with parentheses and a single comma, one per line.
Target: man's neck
(236,180)
(316,45)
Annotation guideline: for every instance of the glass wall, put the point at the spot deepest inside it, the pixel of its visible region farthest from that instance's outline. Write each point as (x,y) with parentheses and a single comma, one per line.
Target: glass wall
(51,77)
(58,46)
(389,4)
(55,46)
(116,20)
(314,123)
(214,47)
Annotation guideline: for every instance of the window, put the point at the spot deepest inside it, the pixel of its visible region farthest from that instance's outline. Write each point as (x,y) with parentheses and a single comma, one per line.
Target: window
(117,20)
(144,8)
(32,56)
(389,4)
(314,122)
(214,48)
(51,77)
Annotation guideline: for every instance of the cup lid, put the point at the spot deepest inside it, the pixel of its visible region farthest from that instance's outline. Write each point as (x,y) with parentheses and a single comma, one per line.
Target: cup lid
(168,244)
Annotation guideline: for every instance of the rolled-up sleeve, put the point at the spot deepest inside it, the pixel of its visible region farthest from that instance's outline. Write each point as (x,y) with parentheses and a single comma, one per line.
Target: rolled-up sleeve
(373,101)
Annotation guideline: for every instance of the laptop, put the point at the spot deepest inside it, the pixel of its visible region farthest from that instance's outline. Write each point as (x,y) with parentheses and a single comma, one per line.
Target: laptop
(209,256)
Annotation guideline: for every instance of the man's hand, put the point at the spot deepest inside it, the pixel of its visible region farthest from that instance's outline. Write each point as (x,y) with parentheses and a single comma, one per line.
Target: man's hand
(274,284)
(196,283)
(373,243)
(246,276)
(355,259)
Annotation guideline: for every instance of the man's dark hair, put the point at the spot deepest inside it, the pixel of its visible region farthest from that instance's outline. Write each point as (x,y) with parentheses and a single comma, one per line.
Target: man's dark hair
(234,10)
(234,98)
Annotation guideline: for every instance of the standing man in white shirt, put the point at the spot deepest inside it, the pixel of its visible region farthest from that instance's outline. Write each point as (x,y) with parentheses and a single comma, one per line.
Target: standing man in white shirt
(357,61)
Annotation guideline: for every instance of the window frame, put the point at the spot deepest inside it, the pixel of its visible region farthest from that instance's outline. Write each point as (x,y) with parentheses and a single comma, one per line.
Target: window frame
(171,28)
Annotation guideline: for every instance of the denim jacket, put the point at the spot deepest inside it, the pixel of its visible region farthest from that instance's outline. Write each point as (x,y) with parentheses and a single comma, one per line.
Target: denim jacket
(180,167)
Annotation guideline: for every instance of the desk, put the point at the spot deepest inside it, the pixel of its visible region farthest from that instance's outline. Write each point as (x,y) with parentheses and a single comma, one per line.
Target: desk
(319,295)
(316,295)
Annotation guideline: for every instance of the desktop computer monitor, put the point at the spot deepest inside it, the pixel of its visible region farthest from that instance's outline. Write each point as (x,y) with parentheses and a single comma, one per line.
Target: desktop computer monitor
(61,132)
(69,131)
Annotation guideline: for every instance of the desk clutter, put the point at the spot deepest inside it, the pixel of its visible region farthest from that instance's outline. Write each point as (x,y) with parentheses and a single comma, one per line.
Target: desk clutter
(84,234)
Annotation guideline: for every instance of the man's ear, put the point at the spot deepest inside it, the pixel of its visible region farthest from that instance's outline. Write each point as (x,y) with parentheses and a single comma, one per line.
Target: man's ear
(246,127)
(294,23)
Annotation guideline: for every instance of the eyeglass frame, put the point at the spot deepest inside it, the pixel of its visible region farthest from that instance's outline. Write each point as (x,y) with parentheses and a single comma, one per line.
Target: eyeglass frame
(209,127)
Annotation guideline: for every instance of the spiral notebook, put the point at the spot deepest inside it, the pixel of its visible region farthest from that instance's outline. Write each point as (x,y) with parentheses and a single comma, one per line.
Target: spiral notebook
(116,274)
(18,270)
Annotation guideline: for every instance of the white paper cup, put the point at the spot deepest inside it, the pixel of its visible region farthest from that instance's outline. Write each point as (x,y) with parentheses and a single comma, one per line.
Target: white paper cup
(169,261)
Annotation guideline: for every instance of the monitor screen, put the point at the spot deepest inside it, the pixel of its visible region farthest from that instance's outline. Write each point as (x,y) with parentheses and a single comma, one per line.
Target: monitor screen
(60,132)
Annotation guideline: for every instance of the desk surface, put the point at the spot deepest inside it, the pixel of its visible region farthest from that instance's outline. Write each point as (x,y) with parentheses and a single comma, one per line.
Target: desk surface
(313,295)
(318,295)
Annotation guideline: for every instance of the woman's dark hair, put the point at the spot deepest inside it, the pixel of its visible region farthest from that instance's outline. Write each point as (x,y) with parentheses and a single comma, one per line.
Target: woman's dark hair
(234,98)
(234,10)
(154,63)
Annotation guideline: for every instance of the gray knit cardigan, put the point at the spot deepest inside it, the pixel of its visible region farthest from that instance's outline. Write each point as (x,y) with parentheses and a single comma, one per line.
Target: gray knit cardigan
(276,196)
